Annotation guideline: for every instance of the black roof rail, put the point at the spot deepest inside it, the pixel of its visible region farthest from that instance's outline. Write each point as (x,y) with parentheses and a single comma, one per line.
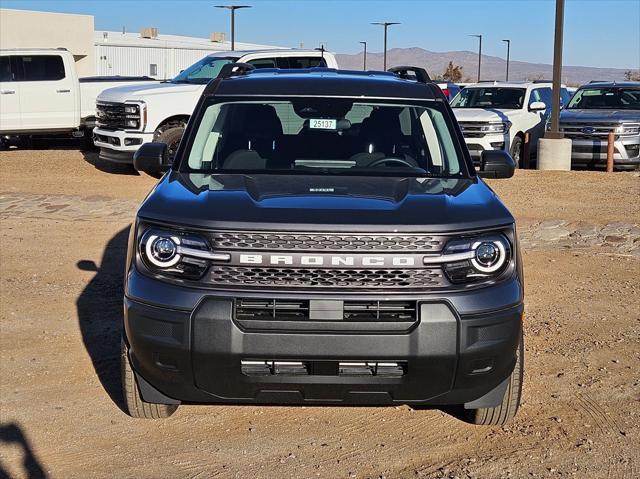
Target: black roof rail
(419,74)
(542,81)
(233,69)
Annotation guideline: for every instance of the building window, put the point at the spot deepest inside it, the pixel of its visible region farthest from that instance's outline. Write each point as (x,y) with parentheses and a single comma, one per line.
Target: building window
(153,69)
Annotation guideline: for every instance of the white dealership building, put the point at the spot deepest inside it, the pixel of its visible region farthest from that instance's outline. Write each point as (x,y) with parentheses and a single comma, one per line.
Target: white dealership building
(148,52)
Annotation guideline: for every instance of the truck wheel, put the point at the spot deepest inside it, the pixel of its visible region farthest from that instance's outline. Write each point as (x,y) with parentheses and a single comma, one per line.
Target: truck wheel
(134,405)
(516,151)
(502,414)
(171,136)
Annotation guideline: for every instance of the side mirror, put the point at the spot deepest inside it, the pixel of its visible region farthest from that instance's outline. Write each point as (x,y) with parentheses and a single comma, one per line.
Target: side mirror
(537,106)
(152,158)
(496,164)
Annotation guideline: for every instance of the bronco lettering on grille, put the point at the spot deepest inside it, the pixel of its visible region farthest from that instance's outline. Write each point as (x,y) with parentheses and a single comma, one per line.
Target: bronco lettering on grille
(354,261)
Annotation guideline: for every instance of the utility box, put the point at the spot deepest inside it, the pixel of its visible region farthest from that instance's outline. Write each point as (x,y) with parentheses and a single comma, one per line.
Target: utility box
(149,32)
(217,37)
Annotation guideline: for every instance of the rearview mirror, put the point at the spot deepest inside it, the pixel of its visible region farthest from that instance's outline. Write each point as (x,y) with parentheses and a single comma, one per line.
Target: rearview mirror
(496,164)
(537,106)
(152,158)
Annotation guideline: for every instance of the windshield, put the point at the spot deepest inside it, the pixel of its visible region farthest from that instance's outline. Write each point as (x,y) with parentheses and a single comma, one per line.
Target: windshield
(325,136)
(204,71)
(490,97)
(613,98)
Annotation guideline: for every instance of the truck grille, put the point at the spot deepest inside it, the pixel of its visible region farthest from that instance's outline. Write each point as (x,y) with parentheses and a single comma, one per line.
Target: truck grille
(472,129)
(585,130)
(241,276)
(298,310)
(110,116)
(326,242)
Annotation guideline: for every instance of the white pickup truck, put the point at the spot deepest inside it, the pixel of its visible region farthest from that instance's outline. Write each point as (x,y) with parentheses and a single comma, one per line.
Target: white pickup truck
(41,93)
(133,115)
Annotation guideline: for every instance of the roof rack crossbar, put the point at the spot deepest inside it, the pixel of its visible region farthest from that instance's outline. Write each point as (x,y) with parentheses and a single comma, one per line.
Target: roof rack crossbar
(420,74)
(232,69)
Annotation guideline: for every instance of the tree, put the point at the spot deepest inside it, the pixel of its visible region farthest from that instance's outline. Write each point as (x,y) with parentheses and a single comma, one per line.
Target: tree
(453,73)
(631,75)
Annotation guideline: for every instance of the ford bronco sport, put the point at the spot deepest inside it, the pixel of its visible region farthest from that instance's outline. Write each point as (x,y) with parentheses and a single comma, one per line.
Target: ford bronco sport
(322,238)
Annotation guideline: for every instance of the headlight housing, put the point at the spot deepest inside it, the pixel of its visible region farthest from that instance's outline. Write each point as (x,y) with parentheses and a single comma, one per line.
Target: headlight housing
(502,127)
(628,129)
(135,115)
(175,254)
(478,258)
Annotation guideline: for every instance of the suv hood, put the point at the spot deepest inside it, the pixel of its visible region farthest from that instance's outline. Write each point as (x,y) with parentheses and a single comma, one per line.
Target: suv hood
(333,203)
(597,115)
(484,115)
(134,92)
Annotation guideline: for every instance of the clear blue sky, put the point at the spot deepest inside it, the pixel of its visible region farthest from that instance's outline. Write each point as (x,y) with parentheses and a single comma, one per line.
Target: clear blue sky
(599,33)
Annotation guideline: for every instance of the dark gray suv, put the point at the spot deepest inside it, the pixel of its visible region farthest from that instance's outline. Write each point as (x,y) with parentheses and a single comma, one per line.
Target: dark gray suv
(322,238)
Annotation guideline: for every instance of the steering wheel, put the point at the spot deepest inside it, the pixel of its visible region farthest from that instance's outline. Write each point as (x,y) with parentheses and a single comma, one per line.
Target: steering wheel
(382,161)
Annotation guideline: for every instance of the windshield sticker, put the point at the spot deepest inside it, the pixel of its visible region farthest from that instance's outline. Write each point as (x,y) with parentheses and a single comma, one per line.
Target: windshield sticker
(323,124)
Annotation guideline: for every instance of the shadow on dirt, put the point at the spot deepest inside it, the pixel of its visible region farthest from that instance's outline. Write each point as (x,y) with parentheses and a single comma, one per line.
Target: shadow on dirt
(100,314)
(11,434)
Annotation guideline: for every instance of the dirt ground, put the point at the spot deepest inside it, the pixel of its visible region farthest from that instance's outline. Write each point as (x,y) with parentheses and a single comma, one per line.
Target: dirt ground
(61,211)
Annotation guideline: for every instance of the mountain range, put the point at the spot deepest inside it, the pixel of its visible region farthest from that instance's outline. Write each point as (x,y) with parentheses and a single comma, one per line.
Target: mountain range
(492,68)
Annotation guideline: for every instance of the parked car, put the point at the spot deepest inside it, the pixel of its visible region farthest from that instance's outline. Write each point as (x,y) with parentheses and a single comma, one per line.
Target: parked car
(323,238)
(41,93)
(449,89)
(496,115)
(131,116)
(597,109)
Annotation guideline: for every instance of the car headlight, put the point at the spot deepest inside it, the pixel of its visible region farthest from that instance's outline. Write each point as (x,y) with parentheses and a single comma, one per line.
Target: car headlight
(502,127)
(135,115)
(477,258)
(176,254)
(628,129)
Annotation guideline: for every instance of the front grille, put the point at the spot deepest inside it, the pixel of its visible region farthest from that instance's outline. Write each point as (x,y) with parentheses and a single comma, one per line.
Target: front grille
(586,130)
(240,276)
(110,116)
(325,242)
(472,129)
(298,310)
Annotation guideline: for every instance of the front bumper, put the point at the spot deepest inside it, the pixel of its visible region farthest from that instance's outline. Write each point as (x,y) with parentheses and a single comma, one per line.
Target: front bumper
(478,144)
(593,152)
(187,345)
(119,145)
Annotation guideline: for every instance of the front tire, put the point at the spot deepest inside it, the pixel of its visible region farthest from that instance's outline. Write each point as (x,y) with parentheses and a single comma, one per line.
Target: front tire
(502,414)
(135,406)
(171,136)
(517,150)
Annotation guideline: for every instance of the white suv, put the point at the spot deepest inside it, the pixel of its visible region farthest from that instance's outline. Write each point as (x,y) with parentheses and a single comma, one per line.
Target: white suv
(130,116)
(496,115)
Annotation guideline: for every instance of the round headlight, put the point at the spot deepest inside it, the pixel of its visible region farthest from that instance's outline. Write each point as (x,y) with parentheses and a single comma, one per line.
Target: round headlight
(490,256)
(162,251)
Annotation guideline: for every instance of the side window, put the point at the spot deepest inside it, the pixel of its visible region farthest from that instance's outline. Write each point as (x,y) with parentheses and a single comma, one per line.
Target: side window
(306,62)
(5,69)
(263,63)
(535,96)
(546,96)
(43,68)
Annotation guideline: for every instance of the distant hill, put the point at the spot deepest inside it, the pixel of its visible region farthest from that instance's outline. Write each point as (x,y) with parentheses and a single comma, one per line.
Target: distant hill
(493,68)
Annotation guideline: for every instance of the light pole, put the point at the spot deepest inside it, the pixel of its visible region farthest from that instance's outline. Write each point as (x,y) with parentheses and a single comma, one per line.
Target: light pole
(233,9)
(557,73)
(479,36)
(364,56)
(386,26)
(508,48)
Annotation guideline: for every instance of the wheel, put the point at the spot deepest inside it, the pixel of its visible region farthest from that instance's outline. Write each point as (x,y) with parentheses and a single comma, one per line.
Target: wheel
(171,136)
(133,402)
(502,414)
(516,150)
